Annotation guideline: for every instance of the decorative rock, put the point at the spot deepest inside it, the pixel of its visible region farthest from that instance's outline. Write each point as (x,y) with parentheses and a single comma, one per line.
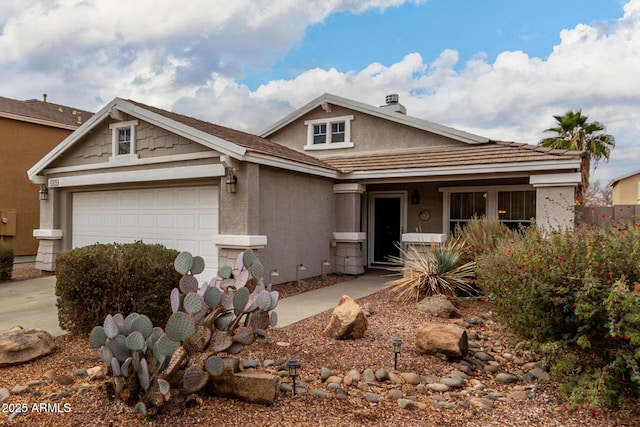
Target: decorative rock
(395,378)
(80,373)
(481,355)
(394,394)
(518,395)
(285,388)
(334,379)
(320,393)
(14,415)
(354,374)
(540,374)
(448,405)
(481,403)
(93,371)
(492,368)
(459,374)
(59,395)
(438,338)
(4,395)
(411,378)
(382,374)
(250,364)
(34,383)
(347,380)
(506,378)
(439,305)
(369,376)
(439,387)
(19,345)
(333,386)
(20,389)
(64,380)
(325,373)
(348,321)
(372,397)
(405,403)
(36,393)
(269,362)
(451,382)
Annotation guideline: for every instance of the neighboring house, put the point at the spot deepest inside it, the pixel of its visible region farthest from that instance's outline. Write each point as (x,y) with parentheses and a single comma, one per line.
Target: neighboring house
(336,180)
(28,130)
(626,189)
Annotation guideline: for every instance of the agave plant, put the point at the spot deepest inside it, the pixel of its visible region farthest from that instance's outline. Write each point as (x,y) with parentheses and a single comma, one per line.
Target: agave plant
(436,271)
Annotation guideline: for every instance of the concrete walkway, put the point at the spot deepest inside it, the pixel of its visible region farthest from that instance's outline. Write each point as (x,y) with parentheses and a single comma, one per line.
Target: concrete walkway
(32,303)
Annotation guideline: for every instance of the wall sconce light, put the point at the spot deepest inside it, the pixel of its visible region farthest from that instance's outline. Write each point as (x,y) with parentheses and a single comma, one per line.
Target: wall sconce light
(323,275)
(299,268)
(396,342)
(415,197)
(44,192)
(292,366)
(232,180)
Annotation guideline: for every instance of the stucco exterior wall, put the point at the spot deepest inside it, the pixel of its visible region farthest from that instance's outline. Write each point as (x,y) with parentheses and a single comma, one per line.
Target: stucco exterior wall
(555,208)
(627,191)
(297,214)
(22,145)
(368,133)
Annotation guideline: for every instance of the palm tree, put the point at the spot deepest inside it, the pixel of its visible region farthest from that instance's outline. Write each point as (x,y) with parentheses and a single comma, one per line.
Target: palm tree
(574,132)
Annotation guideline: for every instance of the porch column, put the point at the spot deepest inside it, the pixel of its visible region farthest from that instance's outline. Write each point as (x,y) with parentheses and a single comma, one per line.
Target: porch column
(49,237)
(348,238)
(555,200)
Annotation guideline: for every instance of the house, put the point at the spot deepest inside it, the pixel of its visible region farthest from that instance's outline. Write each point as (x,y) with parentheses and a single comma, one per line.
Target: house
(28,130)
(334,186)
(626,189)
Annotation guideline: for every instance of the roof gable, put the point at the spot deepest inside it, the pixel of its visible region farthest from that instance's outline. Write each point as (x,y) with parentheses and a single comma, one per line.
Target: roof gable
(381,112)
(44,113)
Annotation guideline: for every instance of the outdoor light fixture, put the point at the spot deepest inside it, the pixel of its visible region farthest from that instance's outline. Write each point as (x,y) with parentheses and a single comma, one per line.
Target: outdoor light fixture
(44,192)
(396,342)
(415,197)
(232,180)
(323,275)
(300,267)
(292,366)
(274,273)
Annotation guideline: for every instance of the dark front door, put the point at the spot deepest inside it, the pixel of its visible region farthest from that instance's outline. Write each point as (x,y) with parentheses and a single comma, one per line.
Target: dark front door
(386,228)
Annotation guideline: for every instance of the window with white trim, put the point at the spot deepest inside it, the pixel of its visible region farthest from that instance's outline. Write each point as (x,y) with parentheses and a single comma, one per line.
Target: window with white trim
(514,206)
(330,133)
(123,139)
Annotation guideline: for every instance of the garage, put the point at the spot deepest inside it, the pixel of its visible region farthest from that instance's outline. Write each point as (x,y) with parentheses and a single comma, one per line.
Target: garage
(182,218)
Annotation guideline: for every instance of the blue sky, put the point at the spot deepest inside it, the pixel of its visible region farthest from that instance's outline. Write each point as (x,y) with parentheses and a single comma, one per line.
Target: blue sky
(496,68)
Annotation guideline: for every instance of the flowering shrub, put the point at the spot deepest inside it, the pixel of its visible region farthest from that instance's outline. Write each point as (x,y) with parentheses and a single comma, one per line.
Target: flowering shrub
(578,292)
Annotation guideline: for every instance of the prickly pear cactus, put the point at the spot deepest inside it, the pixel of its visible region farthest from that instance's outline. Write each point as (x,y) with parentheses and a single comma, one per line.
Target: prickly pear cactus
(228,314)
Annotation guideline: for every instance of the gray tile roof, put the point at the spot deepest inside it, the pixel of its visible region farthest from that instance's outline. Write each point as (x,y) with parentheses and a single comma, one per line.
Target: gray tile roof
(36,110)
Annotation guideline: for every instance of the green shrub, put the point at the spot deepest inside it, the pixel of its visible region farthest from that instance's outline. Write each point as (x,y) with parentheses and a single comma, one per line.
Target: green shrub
(437,271)
(481,235)
(6,261)
(96,280)
(579,291)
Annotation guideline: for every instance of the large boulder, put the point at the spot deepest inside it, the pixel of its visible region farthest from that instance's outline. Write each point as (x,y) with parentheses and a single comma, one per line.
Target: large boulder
(439,305)
(19,345)
(450,340)
(348,321)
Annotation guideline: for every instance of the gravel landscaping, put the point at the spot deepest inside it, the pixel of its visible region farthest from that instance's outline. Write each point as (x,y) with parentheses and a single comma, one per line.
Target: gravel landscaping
(341,383)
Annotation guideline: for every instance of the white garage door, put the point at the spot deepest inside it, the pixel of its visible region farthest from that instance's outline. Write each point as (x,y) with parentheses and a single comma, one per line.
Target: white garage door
(182,218)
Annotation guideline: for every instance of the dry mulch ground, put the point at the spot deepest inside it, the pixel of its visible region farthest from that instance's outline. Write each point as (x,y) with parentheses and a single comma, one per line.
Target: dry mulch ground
(305,341)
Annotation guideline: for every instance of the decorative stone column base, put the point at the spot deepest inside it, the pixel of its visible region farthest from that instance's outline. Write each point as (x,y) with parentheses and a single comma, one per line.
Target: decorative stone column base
(347,257)
(49,245)
(230,246)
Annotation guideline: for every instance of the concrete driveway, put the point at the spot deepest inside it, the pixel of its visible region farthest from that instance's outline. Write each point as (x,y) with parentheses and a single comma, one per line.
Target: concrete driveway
(30,304)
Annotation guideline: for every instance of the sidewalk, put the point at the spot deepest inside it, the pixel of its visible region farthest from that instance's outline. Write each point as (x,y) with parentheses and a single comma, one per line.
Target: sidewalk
(32,303)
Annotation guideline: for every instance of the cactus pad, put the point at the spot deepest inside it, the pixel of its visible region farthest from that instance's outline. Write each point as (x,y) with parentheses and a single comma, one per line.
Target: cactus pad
(135,341)
(221,341)
(119,348)
(257,270)
(235,348)
(212,297)
(240,300)
(188,284)
(244,336)
(128,321)
(124,369)
(225,272)
(273,319)
(143,375)
(193,303)
(248,258)
(195,378)
(183,262)
(141,408)
(117,382)
(223,321)
(164,387)
(214,365)
(97,338)
(261,335)
(165,346)
(143,325)
(106,354)
(175,300)
(259,320)
(274,299)
(110,327)
(198,265)
(115,367)
(264,300)
(241,279)
(180,326)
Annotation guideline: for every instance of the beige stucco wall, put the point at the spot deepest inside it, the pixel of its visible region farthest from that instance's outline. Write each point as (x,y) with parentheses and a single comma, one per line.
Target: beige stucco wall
(626,191)
(297,214)
(555,208)
(368,133)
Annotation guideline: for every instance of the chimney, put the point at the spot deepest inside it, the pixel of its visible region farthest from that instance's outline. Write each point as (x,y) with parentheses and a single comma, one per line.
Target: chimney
(44,97)
(392,104)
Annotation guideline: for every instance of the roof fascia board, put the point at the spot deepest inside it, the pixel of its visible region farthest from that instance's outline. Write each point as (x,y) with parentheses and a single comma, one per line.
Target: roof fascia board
(290,165)
(36,121)
(377,112)
(465,170)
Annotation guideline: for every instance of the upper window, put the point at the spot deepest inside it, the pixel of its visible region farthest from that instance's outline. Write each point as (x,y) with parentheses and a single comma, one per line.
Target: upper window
(123,139)
(331,133)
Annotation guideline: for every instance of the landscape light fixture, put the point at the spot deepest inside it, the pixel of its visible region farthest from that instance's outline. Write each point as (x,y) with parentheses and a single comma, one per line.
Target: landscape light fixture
(44,192)
(323,275)
(232,180)
(274,273)
(396,342)
(300,267)
(292,367)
